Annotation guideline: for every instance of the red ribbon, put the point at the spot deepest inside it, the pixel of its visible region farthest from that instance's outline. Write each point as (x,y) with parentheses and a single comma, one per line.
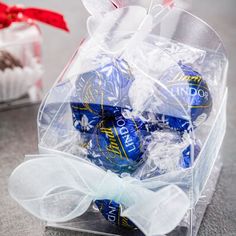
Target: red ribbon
(16,13)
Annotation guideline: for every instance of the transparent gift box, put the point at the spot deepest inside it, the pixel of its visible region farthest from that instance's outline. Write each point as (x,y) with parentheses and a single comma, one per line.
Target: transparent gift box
(130,134)
(22,44)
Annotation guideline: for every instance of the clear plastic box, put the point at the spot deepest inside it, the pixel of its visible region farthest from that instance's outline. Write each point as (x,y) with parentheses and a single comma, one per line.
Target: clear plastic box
(177,36)
(167,58)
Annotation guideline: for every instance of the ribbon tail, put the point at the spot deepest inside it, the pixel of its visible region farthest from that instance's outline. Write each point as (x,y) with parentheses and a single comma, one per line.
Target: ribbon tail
(50,188)
(48,17)
(160,213)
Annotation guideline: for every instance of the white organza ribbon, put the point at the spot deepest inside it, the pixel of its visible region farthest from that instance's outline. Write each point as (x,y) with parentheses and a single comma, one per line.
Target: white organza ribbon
(98,8)
(57,189)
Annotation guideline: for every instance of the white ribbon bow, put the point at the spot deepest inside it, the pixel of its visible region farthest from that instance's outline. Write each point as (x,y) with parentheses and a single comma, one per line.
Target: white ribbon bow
(57,189)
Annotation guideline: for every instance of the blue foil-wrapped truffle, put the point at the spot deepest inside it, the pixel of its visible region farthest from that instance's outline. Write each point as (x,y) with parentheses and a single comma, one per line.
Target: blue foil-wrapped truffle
(193,93)
(99,92)
(111,211)
(118,144)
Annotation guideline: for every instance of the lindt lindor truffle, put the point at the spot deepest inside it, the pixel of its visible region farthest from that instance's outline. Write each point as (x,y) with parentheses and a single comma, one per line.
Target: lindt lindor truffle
(99,92)
(193,93)
(111,212)
(118,144)
(166,152)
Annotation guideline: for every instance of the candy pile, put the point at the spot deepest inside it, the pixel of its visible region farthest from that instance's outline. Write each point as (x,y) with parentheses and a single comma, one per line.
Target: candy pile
(146,144)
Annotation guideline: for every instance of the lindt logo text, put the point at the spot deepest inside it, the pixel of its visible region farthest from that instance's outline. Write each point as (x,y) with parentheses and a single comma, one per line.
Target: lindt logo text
(120,140)
(124,133)
(190,91)
(111,214)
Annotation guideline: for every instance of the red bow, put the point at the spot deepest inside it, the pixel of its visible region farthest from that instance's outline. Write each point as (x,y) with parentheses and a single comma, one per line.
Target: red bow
(10,14)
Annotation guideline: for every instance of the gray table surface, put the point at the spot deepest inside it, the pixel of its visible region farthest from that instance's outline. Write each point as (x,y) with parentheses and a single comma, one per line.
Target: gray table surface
(18,134)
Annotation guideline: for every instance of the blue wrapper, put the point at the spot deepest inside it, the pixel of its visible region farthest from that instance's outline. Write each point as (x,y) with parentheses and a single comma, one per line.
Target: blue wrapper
(175,123)
(185,161)
(193,93)
(119,144)
(198,94)
(84,118)
(99,92)
(168,151)
(111,211)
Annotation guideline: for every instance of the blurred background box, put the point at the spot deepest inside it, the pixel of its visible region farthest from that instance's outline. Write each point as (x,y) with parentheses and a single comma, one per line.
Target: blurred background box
(20,64)
(21,68)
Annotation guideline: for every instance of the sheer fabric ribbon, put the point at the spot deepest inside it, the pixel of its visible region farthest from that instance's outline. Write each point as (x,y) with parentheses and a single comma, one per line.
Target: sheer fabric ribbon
(59,188)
